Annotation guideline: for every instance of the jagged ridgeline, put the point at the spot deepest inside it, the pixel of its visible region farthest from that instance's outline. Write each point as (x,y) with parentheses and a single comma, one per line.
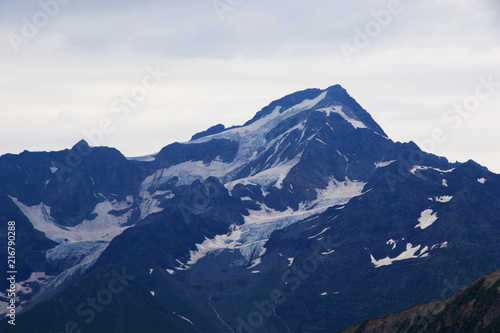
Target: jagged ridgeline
(475,308)
(307,218)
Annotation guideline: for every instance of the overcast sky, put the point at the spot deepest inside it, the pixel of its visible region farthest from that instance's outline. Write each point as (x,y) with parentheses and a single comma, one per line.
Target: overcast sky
(420,68)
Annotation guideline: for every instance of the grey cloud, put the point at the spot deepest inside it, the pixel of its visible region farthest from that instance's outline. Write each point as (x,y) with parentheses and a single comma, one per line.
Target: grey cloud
(426,59)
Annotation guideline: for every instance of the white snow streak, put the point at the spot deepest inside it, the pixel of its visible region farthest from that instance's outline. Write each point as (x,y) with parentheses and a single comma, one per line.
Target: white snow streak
(419,167)
(319,233)
(182,317)
(338,109)
(323,142)
(440,246)
(383,164)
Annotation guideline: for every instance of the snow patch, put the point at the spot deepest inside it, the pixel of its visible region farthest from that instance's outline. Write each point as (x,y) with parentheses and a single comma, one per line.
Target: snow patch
(3,307)
(481,180)
(75,252)
(444,183)
(169,271)
(21,288)
(152,292)
(146,158)
(227,241)
(336,194)
(439,245)
(383,164)
(427,218)
(308,103)
(391,242)
(338,109)
(255,262)
(104,227)
(79,269)
(39,277)
(291,261)
(409,253)
(148,204)
(187,172)
(443,198)
(273,176)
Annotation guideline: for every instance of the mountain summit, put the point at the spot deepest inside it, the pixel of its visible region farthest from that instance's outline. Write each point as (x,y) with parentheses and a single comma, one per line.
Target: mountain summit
(332,96)
(307,218)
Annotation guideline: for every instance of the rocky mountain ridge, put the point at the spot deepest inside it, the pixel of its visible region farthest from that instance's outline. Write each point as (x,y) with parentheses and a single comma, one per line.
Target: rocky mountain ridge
(306,218)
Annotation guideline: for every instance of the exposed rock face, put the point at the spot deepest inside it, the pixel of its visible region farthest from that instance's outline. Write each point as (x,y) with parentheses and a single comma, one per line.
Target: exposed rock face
(307,218)
(475,308)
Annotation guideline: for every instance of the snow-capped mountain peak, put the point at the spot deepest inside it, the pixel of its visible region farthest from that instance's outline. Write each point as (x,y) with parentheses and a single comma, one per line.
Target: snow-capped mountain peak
(309,200)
